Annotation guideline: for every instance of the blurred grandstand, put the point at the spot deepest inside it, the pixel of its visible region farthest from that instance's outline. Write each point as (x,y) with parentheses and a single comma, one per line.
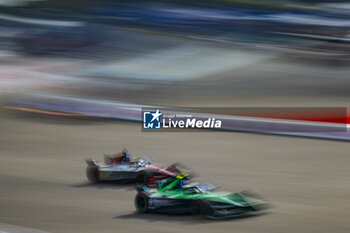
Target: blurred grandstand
(67,24)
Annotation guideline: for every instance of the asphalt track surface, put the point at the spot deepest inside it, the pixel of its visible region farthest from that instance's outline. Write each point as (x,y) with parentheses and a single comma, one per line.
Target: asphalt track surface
(43,184)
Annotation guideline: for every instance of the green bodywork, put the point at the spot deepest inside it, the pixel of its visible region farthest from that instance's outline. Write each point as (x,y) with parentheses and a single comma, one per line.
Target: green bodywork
(173,189)
(173,193)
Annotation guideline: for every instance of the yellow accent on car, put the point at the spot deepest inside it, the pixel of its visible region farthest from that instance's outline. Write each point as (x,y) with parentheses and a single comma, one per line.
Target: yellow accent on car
(181,176)
(100,175)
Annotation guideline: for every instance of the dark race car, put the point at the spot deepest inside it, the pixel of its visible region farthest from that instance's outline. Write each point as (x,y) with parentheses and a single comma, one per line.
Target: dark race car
(177,197)
(121,167)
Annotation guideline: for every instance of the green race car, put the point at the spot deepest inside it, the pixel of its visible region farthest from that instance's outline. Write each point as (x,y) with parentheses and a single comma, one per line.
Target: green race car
(175,196)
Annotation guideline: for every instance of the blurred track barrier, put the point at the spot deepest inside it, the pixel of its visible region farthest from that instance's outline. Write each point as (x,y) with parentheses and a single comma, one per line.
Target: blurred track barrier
(320,127)
(178,64)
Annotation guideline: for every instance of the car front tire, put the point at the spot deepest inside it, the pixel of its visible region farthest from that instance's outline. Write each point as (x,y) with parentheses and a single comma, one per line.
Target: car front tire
(142,179)
(141,203)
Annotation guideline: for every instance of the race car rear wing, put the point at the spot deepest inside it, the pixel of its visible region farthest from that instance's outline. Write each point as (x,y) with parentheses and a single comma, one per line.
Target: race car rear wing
(91,162)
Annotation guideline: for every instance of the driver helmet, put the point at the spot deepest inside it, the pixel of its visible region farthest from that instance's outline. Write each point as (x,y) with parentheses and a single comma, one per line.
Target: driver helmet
(127,157)
(126,153)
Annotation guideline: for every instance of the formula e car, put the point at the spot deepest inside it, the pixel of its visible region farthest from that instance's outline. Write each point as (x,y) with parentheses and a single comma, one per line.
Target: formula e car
(176,197)
(120,167)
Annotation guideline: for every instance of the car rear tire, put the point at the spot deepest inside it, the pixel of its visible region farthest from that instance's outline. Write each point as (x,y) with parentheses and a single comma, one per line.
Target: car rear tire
(199,208)
(92,174)
(141,203)
(142,179)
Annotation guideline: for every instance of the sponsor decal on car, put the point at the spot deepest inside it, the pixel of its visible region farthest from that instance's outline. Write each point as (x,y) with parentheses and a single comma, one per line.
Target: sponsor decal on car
(157,203)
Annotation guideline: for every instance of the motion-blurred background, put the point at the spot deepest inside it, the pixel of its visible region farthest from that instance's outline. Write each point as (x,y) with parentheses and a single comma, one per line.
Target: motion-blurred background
(177,52)
(67,58)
